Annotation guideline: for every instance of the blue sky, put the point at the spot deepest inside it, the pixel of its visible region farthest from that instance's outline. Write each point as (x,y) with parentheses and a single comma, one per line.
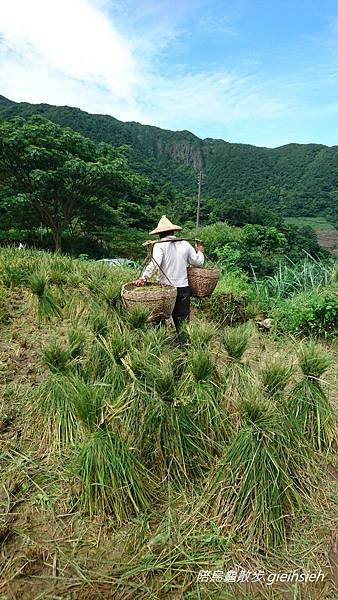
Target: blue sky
(252,71)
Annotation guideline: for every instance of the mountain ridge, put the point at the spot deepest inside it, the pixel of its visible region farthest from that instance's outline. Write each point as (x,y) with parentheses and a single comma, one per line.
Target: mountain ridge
(294,179)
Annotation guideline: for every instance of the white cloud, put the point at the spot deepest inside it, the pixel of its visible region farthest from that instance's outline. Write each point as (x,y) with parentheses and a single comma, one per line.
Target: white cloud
(73,37)
(211,98)
(73,52)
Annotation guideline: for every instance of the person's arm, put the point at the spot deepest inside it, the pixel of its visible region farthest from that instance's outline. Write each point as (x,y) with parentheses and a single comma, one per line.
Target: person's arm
(152,267)
(196,257)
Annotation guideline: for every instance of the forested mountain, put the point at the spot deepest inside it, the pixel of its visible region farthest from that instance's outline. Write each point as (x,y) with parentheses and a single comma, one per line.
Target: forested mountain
(296,179)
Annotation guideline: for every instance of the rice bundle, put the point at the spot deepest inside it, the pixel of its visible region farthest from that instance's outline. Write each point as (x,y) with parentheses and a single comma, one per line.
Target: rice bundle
(53,414)
(113,481)
(199,333)
(207,413)
(138,317)
(57,357)
(255,489)
(201,365)
(46,305)
(236,340)
(172,441)
(164,431)
(237,376)
(309,404)
(275,377)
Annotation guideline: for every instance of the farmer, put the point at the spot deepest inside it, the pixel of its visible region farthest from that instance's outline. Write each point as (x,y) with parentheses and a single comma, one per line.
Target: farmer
(170,259)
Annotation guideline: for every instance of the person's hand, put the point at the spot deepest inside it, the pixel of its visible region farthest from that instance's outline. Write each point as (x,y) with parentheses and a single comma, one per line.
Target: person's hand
(139,282)
(199,248)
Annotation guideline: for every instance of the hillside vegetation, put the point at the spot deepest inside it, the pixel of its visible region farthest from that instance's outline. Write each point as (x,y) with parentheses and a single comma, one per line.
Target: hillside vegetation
(61,190)
(294,179)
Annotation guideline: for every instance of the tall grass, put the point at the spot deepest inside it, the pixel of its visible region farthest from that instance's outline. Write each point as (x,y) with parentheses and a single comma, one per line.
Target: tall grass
(292,278)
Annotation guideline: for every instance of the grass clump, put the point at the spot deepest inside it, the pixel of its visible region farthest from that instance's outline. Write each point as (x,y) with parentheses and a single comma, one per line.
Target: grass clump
(4,312)
(15,274)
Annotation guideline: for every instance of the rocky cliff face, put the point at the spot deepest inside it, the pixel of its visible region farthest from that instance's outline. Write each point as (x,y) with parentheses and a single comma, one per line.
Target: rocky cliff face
(185,152)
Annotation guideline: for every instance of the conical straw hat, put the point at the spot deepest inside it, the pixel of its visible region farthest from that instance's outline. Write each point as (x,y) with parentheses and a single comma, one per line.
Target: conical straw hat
(165,225)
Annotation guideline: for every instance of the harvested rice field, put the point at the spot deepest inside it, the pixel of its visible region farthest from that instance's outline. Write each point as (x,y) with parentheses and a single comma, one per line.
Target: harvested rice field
(135,465)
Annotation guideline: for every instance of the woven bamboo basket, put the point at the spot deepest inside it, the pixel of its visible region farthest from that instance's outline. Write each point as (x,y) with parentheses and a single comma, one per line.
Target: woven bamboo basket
(202,282)
(160,302)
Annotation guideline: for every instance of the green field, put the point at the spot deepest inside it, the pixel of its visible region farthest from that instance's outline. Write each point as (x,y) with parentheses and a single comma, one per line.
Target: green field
(314,222)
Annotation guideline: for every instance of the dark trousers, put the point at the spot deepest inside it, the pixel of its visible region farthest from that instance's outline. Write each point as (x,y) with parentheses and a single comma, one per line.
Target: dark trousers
(181,310)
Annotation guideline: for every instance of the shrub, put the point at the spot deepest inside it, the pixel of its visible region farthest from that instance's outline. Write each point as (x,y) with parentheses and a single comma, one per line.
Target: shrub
(309,313)
(228,302)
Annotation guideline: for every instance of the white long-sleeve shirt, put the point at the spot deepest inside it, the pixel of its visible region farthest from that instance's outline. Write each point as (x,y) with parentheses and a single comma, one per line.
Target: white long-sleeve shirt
(173,258)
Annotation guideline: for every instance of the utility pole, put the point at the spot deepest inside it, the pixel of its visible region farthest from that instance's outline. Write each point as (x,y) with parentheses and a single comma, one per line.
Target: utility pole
(199,180)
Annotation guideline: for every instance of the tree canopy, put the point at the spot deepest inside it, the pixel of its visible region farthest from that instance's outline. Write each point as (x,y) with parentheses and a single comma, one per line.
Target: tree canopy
(56,177)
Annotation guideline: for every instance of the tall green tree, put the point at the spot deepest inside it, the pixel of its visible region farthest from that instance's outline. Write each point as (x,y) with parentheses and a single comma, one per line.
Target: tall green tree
(56,177)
